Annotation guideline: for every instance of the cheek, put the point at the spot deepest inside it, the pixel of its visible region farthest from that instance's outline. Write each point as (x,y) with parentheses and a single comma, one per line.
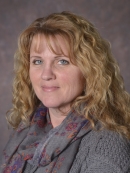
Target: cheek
(74,82)
(80,83)
(34,73)
(33,77)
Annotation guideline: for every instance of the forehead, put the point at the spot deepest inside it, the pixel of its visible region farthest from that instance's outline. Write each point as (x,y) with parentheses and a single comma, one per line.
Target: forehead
(57,44)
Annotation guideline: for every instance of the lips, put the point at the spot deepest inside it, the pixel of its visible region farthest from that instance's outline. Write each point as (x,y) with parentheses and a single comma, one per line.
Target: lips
(49,88)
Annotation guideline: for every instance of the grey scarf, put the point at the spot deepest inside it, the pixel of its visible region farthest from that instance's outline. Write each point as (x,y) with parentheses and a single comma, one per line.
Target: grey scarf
(51,149)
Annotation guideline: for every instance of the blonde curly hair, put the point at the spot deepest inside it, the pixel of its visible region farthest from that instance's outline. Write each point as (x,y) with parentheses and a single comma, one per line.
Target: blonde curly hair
(104,99)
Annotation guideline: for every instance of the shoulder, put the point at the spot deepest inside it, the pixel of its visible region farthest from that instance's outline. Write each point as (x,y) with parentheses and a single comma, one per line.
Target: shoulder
(102,140)
(104,150)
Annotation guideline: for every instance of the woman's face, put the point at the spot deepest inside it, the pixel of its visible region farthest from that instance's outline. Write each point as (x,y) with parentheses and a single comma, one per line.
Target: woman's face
(56,81)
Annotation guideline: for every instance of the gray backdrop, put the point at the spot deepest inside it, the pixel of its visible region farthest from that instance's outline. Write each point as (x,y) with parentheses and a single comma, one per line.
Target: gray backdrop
(112,18)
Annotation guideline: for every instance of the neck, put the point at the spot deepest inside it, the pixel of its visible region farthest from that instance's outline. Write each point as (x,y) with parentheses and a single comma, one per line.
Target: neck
(57,116)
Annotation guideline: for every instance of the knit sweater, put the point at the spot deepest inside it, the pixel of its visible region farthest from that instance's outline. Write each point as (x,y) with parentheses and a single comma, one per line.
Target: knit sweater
(99,152)
(102,152)
(72,147)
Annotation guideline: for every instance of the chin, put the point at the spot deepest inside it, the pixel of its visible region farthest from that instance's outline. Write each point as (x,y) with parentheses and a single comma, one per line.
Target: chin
(50,104)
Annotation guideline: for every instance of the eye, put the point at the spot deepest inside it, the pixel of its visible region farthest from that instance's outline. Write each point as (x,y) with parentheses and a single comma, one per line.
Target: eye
(63,62)
(37,62)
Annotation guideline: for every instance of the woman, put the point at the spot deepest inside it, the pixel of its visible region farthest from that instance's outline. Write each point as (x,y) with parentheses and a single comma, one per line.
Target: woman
(70,111)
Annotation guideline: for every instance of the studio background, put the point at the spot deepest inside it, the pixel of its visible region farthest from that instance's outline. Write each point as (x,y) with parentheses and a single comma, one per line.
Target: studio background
(112,18)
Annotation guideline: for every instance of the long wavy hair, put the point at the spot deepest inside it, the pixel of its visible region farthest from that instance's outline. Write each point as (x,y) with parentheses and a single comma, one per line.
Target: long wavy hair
(104,99)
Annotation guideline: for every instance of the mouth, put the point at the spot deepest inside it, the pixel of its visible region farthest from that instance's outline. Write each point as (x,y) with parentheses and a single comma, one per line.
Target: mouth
(49,88)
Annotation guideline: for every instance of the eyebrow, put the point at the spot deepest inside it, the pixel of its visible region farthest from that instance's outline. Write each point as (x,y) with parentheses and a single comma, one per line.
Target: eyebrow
(54,56)
(35,57)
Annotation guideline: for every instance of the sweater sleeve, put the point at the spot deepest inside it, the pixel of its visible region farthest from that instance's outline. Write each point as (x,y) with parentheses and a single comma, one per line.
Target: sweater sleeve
(100,164)
(103,152)
(110,153)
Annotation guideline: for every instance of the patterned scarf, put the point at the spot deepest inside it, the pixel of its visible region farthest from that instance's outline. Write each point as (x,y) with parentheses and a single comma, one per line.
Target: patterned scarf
(53,149)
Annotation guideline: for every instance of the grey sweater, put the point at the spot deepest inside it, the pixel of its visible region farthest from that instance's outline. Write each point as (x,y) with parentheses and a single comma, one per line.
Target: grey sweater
(99,152)
(102,152)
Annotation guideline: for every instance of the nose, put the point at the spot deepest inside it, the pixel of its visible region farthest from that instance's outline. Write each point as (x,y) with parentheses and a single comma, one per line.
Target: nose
(48,73)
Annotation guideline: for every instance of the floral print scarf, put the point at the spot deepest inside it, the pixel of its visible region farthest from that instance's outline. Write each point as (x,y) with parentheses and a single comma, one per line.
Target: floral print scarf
(42,146)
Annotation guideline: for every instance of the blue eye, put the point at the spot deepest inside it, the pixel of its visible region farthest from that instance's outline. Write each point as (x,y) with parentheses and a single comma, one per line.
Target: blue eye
(63,62)
(37,62)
